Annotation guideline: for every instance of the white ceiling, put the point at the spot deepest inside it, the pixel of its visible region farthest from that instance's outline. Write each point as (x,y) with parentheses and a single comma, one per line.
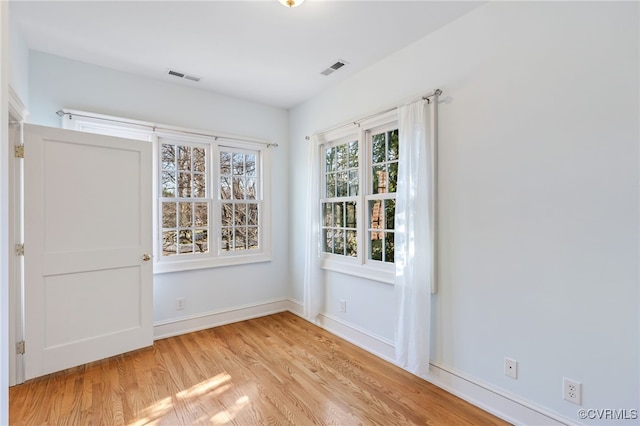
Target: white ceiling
(256,50)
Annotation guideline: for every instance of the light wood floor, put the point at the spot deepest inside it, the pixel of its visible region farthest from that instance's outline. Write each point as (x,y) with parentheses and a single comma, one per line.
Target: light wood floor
(276,370)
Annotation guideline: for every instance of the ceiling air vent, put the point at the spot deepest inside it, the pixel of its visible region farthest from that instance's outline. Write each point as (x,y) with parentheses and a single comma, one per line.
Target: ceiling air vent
(183,75)
(335,67)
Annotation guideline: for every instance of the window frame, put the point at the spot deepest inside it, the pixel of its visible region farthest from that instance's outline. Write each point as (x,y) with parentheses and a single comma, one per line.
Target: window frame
(161,199)
(155,133)
(259,200)
(360,265)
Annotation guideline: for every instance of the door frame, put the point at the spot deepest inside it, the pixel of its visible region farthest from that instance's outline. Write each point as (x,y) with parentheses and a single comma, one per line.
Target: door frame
(17,116)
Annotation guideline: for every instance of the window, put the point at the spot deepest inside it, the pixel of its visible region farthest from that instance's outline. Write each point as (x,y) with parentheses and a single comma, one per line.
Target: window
(358,185)
(184,199)
(381,200)
(341,187)
(240,206)
(212,194)
(212,205)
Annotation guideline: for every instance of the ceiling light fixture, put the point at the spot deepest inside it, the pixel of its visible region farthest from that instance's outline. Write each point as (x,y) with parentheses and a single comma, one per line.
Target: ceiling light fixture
(291,3)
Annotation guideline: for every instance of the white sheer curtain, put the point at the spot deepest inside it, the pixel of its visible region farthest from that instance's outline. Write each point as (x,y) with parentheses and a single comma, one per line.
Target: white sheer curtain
(313,294)
(413,238)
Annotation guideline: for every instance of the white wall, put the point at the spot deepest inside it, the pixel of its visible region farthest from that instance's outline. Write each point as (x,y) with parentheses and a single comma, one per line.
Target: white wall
(19,63)
(55,83)
(538,197)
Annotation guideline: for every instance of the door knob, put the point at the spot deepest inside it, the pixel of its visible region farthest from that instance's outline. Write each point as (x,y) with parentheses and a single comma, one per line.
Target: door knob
(146,257)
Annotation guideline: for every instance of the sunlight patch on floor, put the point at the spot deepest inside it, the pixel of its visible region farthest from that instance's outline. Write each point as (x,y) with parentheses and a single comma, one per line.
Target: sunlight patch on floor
(230,413)
(204,386)
(216,385)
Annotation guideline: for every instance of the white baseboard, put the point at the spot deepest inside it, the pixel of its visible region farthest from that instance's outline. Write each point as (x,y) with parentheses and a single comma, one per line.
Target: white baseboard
(296,308)
(495,401)
(377,345)
(175,327)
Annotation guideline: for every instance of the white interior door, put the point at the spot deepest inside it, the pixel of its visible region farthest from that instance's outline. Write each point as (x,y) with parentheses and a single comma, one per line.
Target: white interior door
(88,230)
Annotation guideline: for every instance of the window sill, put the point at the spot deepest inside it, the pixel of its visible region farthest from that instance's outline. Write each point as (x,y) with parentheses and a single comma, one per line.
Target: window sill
(383,273)
(192,264)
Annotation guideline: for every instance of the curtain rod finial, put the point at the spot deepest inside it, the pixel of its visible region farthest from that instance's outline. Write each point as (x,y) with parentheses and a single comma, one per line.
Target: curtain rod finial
(60,112)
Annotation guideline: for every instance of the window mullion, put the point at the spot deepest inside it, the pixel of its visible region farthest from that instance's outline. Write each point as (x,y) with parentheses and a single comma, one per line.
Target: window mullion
(214,196)
(363,218)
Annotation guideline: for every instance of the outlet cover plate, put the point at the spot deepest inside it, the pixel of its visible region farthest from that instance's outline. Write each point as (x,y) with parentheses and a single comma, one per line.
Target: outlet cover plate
(511,368)
(572,391)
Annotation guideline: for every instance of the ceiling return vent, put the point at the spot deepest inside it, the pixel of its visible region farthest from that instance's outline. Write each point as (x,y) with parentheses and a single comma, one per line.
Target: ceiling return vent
(335,67)
(183,75)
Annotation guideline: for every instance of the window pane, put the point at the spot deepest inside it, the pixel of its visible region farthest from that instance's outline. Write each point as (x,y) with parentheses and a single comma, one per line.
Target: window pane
(240,216)
(185,241)
(352,243)
(375,239)
(240,242)
(253,214)
(201,214)
(389,247)
(238,188)
(338,242)
(393,151)
(184,185)
(342,178)
(327,213)
(393,177)
(330,155)
(252,241)
(201,241)
(353,154)
(378,148)
(186,219)
(226,240)
(379,180)
(341,157)
(238,164)
(250,193)
(199,160)
(169,243)
(168,153)
(328,241)
(168,184)
(169,219)
(184,158)
(227,214)
(199,186)
(225,188)
(376,214)
(250,164)
(353,183)
(331,185)
(338,215)
(225,163)
(351,215)
(390,213)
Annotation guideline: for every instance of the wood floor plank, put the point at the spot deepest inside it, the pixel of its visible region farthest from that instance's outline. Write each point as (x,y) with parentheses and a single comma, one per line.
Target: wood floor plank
(274,370)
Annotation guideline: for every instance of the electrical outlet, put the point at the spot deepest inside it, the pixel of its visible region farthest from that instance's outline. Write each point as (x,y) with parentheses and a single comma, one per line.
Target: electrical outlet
(179,303)
(511,368)
(572,391)
(343,306)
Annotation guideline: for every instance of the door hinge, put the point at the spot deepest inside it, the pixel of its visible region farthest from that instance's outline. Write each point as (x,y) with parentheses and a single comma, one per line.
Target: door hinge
(20,348)
(19,151)
(19,249)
